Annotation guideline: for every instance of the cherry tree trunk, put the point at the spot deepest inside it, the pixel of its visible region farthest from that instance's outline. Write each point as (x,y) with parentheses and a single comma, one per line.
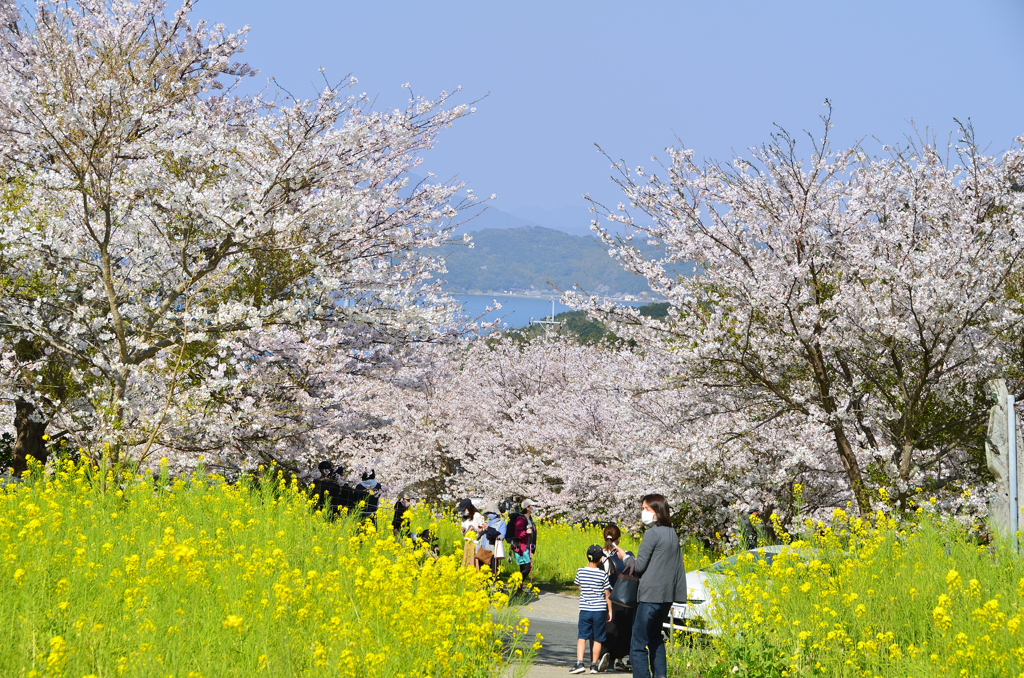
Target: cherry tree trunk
(852,468)
(30,437)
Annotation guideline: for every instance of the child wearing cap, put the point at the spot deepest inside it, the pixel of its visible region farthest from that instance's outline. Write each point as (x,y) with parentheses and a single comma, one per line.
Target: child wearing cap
(595,609)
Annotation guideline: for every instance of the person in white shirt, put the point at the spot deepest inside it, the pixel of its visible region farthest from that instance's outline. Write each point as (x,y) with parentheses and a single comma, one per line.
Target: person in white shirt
(473,525)
(595,610)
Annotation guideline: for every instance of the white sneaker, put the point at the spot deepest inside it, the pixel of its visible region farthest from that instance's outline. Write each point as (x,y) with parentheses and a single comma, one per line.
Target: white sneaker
(579,668)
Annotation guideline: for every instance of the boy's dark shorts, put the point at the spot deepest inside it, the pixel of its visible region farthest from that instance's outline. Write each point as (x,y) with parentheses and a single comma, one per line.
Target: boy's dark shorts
(591,626)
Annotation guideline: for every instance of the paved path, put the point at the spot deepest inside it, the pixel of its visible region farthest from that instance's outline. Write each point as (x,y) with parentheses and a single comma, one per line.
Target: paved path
(554,616)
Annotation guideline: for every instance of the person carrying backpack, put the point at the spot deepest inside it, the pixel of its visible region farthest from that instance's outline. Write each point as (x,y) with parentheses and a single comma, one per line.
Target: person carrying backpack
(523,540)
(494,535)
(620,629)
(531,527)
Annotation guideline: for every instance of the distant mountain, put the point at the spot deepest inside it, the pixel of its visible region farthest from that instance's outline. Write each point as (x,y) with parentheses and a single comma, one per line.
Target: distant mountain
(574,220)
(571,220)
(526,258)
(493,218)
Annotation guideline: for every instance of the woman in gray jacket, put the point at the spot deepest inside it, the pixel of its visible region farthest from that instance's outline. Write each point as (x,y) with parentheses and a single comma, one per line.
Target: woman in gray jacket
(659,561)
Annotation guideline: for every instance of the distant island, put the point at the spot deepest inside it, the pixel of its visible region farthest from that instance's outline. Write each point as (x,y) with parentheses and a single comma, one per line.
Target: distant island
(581,328)
(533,261)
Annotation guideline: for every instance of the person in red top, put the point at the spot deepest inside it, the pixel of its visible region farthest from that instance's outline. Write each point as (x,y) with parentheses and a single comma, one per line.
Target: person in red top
(524,538)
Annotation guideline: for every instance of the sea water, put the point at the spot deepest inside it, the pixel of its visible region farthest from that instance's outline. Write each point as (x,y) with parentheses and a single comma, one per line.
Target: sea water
(515,312)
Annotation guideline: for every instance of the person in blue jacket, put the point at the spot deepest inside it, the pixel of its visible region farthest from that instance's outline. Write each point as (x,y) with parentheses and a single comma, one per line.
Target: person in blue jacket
(495,533)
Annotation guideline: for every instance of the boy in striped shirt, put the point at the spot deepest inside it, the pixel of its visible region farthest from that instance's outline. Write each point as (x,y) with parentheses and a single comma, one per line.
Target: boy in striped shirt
(595,609)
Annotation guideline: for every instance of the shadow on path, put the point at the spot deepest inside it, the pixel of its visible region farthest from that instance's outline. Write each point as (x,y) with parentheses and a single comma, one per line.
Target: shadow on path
(554,616)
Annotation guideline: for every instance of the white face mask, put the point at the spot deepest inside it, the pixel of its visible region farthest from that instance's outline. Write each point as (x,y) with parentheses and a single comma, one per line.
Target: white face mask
(648,518)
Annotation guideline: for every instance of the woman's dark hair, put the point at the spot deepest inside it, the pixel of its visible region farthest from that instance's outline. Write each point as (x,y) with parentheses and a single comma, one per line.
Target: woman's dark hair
(466,509)
(611,535)
(661,509)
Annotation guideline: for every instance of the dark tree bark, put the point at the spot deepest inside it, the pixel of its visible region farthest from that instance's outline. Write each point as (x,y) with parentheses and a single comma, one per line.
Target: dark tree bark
(30,441)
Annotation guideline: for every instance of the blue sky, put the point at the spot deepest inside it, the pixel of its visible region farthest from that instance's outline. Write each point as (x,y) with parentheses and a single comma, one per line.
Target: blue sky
(561,76)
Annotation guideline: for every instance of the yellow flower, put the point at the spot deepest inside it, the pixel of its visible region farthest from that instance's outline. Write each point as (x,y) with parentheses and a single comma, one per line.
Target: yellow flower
(233,622)
(183,552)
(55,661)
(942,619)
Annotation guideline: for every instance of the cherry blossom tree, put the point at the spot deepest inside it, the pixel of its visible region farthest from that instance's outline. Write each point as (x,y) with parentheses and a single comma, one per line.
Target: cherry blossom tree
(498,418)
(846,309)
(583,429)
(170,247)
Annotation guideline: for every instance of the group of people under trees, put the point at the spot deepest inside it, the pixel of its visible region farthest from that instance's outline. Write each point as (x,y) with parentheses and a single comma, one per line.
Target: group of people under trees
(626,633)
(489,539)
(335,492)
(625,630)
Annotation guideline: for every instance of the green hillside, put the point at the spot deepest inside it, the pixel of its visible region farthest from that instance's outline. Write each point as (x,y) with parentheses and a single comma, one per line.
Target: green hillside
(578,327)
(527,258)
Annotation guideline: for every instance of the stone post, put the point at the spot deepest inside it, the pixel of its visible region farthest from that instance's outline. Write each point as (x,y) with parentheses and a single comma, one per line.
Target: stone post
(997,455)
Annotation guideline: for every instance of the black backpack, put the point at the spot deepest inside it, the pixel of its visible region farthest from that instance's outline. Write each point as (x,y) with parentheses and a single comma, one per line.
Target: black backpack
(510,528)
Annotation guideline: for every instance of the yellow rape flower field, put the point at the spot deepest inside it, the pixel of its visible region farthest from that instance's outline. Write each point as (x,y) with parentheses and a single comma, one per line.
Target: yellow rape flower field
(868,598)
(108,574)
(562,548)
(127,576)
